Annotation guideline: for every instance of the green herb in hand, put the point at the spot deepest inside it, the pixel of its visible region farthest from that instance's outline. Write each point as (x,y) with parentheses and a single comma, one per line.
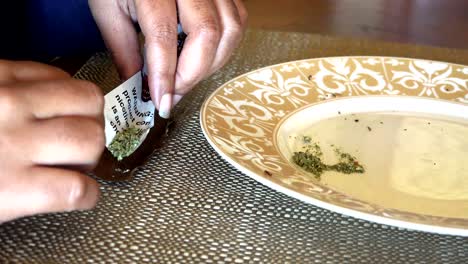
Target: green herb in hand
(125,143)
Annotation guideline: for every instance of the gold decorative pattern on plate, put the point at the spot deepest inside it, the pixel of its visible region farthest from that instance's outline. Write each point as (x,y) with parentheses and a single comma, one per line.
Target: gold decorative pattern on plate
(240,120)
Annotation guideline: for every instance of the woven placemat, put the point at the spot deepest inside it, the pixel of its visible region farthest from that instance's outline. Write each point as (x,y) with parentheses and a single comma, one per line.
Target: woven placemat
(188,205)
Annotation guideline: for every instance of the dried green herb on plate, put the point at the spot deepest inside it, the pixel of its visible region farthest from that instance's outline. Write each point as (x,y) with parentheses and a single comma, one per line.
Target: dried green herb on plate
(311,161)
(125,142)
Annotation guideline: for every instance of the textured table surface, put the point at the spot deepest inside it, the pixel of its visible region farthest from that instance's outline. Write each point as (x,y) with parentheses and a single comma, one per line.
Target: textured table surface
(188,205)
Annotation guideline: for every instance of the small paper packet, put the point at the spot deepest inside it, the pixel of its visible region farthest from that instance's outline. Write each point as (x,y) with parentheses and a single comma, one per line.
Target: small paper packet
(129,106)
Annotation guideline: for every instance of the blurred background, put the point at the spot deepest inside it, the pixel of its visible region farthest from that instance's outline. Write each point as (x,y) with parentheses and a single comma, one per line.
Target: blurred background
(441,23)
(429,22)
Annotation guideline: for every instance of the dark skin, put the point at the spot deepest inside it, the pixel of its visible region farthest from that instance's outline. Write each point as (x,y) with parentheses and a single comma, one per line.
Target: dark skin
(57,133)
(214,29)
(51,133)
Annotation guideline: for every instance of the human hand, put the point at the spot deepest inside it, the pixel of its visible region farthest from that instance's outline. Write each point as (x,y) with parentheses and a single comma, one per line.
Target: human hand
(214,29)
(51,132)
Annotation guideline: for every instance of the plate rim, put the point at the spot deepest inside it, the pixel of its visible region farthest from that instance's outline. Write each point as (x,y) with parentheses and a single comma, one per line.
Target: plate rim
(368,216)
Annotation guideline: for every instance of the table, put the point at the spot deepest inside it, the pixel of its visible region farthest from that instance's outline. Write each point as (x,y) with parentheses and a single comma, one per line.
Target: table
(188,205)
(423,22)
(428,22)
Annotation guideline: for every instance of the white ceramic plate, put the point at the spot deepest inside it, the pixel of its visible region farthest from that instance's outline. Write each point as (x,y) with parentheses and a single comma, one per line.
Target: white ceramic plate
(404,120)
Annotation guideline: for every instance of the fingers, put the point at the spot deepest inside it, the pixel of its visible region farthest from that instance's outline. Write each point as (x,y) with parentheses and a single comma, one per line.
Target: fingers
(67,124)
(64,98)
(119,34)
(214,29)
(28,71)
(45,189)
(158,22)
(233,20)
(242,12)
(201,22)
(67,141)
(51,128)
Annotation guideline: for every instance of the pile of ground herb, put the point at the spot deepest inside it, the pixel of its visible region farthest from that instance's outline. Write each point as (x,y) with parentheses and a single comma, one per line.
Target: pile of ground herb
(125,142)
(311,161)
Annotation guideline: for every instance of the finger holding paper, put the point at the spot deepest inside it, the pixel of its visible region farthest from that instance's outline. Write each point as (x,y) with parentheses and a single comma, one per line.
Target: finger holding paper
(214,29)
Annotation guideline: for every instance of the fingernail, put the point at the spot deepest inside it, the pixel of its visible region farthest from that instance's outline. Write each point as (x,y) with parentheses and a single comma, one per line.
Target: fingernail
(165,106)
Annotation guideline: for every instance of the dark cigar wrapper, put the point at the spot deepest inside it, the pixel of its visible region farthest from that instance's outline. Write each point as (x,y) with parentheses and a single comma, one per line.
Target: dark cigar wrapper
(111,169)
